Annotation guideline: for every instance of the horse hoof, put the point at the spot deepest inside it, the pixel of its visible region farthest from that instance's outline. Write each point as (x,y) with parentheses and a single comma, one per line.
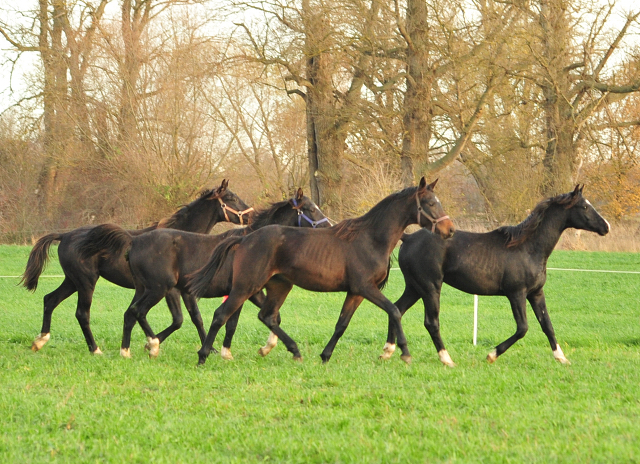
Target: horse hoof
(388,350)
(153,346)
(97,352)
(297,358)
(263,351)
(445,358)
(125,352)
(40,341)
(406,358)
(563,361)
(225,353)
(491,357)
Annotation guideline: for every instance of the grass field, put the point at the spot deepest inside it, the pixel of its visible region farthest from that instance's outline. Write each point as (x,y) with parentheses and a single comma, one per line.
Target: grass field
(64,405)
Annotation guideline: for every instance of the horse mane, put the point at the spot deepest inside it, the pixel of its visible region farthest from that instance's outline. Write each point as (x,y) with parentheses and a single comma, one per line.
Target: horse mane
(516,235)
(349,229)
(264,217)
(181,212)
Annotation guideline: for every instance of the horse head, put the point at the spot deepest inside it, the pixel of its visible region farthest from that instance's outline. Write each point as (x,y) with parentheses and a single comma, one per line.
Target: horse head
(582,214)
(231,203)
(309,215)
(430,209)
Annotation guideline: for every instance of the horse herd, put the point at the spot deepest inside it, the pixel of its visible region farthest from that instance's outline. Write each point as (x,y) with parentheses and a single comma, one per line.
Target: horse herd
(292,243)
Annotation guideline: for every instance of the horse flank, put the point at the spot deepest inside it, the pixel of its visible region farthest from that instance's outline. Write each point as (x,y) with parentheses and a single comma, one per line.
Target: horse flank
(518,234)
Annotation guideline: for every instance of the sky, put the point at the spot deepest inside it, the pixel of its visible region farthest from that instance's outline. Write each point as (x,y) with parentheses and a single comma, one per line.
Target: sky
(13,82)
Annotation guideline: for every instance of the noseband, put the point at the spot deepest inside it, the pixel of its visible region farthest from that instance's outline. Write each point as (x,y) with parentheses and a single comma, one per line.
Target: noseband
(307,218)
(433,220)
(225,208)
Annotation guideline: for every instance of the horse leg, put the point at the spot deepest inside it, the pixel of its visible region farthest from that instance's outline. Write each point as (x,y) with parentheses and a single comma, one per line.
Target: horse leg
(349,307)
(173,302)
(539,306)
(375,296)
(51,302)
(277,291)
(143,300)
(519,309)
(432,324)
(272,341)
(407,300)
(220,317)
(230,330)
(194,312)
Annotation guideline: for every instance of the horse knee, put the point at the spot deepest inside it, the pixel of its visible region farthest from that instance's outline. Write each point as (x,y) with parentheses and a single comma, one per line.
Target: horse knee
(521,331)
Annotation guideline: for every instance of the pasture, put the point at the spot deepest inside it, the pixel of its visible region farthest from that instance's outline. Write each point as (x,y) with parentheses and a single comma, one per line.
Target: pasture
(64,405)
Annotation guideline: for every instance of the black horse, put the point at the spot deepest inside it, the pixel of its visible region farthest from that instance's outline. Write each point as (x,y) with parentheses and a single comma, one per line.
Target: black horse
(509,261)
(81,275)
(159,261)
(351,257)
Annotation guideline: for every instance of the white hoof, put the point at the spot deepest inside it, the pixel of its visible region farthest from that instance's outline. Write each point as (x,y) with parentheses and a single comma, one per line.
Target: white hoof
(388,350)
(153,346)
(559,355)
(40,341)
(445,358)
(97,351)
(491,357)
(125,352)
(272,341)
(225,353)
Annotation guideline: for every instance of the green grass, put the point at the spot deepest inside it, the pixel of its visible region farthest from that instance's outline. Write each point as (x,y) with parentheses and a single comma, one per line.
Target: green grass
(64,405)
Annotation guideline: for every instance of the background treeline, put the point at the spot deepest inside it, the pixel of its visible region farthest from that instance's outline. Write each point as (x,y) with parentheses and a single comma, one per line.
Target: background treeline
(121,110)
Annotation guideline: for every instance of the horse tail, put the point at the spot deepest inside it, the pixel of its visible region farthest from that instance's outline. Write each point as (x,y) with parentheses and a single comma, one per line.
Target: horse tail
(198,281)
(37,262)
(105,239)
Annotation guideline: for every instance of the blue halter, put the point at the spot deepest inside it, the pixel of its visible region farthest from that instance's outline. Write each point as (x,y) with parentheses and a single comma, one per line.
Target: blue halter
(307,218)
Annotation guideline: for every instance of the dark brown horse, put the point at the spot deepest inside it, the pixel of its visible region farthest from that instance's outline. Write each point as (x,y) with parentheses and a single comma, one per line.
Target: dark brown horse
(159,261)
(81,275)
(509,261)
(351,257)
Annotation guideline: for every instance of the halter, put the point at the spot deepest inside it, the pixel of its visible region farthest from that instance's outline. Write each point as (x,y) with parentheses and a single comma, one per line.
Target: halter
(225,208)
(307,218)
(433,220)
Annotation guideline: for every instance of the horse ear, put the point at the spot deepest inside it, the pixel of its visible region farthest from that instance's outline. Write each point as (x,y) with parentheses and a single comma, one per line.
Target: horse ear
(432,185)
(299,194)
(576,190)
(223,185)
(423,184)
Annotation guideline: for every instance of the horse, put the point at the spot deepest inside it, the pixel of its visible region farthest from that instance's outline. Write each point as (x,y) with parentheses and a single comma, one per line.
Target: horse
(353,257)
(509,261)
(81,274)
(159,261)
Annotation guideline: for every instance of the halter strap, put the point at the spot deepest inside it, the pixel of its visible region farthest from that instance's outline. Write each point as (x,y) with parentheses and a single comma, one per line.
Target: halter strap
(307,218)
(226,208)
(433,220)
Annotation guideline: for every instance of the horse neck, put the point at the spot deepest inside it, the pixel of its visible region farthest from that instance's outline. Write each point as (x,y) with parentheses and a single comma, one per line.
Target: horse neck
(548,233)
(284,216)
(198,221)
(390,223)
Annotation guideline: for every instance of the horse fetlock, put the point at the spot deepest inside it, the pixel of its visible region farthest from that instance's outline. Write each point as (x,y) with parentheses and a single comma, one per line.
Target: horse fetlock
(225,353)
(491,357)
(445,358)
(153,346)
(559,355)
(125,352)
(40,341)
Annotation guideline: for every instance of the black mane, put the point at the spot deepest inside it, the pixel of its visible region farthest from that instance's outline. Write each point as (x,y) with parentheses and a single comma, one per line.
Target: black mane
(516,235)
(348,229)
